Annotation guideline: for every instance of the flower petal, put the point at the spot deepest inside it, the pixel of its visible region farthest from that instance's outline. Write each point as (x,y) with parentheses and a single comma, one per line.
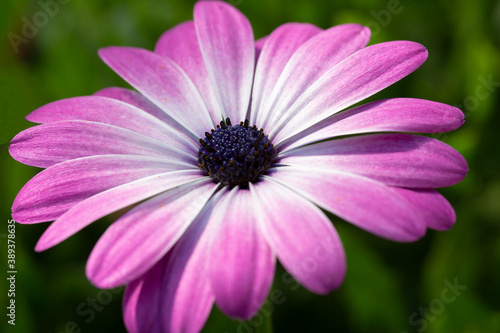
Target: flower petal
(107,202)
(242,264)
(403,160)
(134,98)
(55,190)
(113,112)
(228,49)
(303,238)
(357,77)
(277,50)
(48,144)
(434,209)
(187,294)
(142,301)
(141,237)
(368,204)
(317,56)
(259,44)
(163,82)
(181,45)
(390,115)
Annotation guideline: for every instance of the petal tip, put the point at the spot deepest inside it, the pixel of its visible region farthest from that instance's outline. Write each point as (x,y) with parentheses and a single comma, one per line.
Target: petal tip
(460,116)
(210,5)
(366,31)
(109,52)
(41,245)
(101,277)
(46,241)
(18,216)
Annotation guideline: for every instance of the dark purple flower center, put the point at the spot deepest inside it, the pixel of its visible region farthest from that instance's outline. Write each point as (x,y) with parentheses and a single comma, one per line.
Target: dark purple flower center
(235,155)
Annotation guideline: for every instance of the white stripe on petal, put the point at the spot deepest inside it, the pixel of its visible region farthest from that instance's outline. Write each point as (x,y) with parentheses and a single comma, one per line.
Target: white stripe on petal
(187,295)
(48,144)
(107,202)
(404,160)
(276,51)
(314,58)
(143,235)
(390,115)
(366,203)
(163,82)
(55,190)
(303,238)
(113,112)
(357,77)
(228,48)
(181,45)
(242,263)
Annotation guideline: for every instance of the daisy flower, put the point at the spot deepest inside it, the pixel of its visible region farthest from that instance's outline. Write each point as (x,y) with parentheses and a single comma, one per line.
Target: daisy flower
(228,150)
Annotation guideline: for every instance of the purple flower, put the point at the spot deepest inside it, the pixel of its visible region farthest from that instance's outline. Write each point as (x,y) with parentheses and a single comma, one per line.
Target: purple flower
(217,199)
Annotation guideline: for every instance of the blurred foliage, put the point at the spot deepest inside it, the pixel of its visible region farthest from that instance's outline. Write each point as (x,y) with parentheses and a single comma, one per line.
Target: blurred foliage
(388,284)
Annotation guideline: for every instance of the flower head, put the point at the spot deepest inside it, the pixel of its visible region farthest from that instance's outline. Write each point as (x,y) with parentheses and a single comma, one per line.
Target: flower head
(229,148)
(235,155)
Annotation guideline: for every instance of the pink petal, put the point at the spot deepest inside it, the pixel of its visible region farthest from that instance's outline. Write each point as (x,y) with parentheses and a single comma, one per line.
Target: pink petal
(134,98)
(403,160)
(55,190)
(303,238)
(368,204)
(181,45)
(242,264)
(163,82)
(317,56)
(142,301)
(187,294)
(113,112)
(141,237)
(48,144)
(390,115)
(259,44)
(434,209)
(357,77)
(228,48)
(107,202)
(276,52)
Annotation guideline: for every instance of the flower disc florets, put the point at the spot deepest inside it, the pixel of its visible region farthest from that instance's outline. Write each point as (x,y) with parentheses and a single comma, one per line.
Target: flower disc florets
(235,155)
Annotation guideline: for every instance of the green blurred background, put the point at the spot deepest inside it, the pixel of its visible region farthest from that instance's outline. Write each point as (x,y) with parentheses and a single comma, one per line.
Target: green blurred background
(389,285)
